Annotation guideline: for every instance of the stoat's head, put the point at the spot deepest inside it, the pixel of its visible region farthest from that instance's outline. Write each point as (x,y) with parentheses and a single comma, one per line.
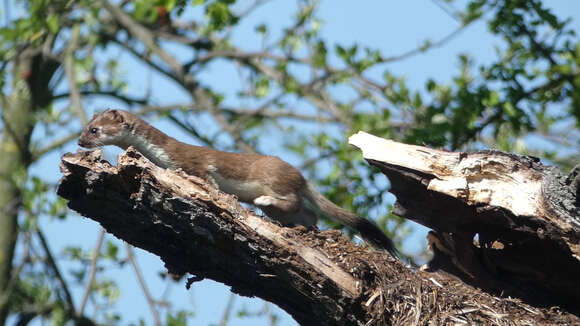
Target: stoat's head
(107,128)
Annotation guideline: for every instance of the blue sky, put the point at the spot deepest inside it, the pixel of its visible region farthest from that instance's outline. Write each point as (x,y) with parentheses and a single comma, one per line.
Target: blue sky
(393,27)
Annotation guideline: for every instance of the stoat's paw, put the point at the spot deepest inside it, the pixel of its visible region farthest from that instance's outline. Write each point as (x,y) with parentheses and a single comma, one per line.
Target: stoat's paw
(264,201)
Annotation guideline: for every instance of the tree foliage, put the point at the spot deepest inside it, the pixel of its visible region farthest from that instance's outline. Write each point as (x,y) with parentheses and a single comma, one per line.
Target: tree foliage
(58,58)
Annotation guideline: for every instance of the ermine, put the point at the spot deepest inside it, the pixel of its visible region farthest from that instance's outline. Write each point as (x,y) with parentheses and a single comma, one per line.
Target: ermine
(271,184)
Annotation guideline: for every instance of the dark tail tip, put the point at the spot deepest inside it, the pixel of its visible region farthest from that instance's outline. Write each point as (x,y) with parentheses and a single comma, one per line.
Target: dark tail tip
(377,238)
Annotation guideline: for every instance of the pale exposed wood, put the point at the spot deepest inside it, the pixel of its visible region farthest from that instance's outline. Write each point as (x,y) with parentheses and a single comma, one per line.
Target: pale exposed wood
(526,216)
(477,178)
(312,256)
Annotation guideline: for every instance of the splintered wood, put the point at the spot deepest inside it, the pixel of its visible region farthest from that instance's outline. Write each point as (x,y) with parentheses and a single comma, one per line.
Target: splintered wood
(476,178)
(502,222)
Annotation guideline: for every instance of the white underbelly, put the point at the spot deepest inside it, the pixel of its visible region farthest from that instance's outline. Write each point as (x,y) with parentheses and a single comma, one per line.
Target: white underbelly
(246,191)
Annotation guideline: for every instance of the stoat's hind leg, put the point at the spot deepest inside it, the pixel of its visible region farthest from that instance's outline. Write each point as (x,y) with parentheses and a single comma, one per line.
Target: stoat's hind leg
(287,210)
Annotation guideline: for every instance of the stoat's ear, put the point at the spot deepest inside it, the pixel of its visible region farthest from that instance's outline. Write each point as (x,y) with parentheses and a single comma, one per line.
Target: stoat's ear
(95,115)
(114,115)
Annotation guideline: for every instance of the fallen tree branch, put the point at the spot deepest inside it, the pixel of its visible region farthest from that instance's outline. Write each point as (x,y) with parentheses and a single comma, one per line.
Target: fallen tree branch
(502,222)
(318,277)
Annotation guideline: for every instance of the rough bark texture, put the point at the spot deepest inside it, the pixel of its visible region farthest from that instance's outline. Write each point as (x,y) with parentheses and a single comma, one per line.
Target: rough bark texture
(319,277)
(526,217)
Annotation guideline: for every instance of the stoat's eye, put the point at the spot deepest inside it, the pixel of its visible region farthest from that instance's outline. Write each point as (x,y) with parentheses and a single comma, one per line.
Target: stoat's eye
(93,130)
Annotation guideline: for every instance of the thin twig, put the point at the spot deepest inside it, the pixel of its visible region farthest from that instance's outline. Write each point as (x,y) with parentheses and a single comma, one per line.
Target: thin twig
(191,131)
(228,310)
(69,69)
(93,271)
(422,49)
(146,109)
(56,144)
(141,280)
(144,57)
(143,34)
(14,278)
(55,269)
(448,9)
(128,100)
(309,93)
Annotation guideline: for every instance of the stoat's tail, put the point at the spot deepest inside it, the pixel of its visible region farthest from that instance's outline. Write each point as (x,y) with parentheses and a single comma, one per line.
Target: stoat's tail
(367,229)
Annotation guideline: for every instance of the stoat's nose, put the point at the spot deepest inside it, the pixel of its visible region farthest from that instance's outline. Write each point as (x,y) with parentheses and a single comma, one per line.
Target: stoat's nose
(82,144)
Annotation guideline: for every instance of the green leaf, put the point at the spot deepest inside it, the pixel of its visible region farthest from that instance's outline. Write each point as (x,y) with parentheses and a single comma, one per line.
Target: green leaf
(220,15)
(319,55)
(492,99)
(262,87)
(178,319)
(262,29)
(58,317)
(341,52)
(52,23)
(111,250)
(109,290)
(291,85)
(509,109)
(170,5)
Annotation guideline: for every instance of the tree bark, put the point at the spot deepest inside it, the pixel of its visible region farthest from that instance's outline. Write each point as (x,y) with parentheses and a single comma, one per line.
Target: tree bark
(318,277)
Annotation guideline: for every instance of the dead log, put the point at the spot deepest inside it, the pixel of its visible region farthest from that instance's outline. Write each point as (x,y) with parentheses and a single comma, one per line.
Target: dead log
(501,222)
(318,277)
